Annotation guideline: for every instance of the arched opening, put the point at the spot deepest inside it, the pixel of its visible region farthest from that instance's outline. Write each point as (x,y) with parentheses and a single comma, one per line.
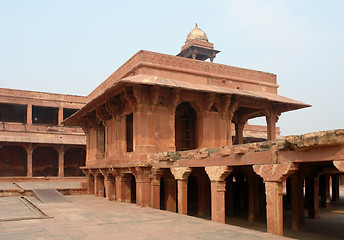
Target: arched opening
(168,192)
(199,195)
(45,161)
(13,161)
(74,158)
(185,127)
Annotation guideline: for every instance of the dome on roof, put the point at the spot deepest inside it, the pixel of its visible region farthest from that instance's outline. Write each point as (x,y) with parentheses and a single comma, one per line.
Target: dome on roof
(196,34)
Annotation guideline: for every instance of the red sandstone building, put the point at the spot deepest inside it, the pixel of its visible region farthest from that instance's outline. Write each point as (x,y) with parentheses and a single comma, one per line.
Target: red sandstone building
(33,143)
(168,132)
(159,133)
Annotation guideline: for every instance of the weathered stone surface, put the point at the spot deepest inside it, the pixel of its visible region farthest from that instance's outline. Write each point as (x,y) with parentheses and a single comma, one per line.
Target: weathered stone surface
(218,173)
(275,172)
(317,139)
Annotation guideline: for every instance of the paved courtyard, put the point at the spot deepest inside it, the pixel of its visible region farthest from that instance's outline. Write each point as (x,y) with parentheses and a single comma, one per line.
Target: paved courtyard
(90,217)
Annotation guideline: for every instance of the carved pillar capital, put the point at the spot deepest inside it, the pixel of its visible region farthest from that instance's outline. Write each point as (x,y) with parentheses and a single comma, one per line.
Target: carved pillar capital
(181,173)
(218,173)
(275,172)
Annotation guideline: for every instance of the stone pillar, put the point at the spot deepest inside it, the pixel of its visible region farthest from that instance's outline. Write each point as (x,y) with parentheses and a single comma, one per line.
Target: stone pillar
(324,191)
(99,185)
(274,207)
(297,204)
(274,175)
(90,181)
(155,192)
(217,176)
(312,196)
(181,174)
(29,114)
(335,187)
(29,150)
(110,187)
(60,116)
(143,185)
(253,198)
(271,120)
(61,152)
(121,186)
(239,133)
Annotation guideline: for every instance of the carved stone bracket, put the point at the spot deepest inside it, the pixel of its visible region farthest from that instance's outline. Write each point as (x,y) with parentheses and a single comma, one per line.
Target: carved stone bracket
(218,173)
(181,173)
(275,172)
(155,94)
(224,106)
(129,96)
(209,100)
(175,97)
(114,106)
(339,165)
(102,114)
(271,115)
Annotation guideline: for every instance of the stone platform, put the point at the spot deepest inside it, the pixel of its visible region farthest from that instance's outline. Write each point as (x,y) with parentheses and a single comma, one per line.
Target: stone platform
(90,217)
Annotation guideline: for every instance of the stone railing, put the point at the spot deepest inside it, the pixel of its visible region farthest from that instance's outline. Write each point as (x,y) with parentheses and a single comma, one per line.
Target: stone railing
(21,127)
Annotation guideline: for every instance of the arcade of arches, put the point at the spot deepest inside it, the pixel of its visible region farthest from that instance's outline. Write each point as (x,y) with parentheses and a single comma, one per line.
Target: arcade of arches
(41,160)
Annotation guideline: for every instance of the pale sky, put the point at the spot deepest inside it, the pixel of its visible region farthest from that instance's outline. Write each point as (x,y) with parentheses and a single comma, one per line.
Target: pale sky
(70,47)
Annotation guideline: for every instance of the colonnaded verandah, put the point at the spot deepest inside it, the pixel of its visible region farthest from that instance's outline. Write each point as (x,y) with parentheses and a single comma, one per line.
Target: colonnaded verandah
(159,133)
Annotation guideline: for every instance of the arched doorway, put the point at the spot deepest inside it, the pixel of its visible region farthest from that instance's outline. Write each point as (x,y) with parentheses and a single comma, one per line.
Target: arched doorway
(185,127)
(44,161)
(74,158)
(13,161)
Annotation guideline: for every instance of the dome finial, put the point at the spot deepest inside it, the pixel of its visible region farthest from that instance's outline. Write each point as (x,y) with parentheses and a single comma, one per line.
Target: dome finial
(196,34)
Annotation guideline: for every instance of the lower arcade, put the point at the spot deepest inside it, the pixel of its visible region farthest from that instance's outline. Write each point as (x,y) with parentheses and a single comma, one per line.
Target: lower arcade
(256,181)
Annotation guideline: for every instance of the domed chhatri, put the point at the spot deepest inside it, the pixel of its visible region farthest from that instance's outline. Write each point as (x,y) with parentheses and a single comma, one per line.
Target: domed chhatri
(197,46)
(196,34)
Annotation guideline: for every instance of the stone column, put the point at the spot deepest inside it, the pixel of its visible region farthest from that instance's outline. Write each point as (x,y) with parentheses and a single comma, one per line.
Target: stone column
(312,196)
(181,174)
(239,133)
(274,175)
(90,181)
(60,116)
(324,190)
(335,187)
(297,204)
(271,120)
(253,198)
(155,192)
(99,185)
(29,114)
(143,185)
(110,187)
(61,152)
(29,150)
(217,176)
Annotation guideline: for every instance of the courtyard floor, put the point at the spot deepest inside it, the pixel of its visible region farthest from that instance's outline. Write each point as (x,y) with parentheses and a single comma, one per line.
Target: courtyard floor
(90,217)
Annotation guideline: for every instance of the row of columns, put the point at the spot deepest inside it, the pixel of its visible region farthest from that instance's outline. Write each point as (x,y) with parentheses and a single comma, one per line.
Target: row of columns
(148,191)
(29,152)
(29,115)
